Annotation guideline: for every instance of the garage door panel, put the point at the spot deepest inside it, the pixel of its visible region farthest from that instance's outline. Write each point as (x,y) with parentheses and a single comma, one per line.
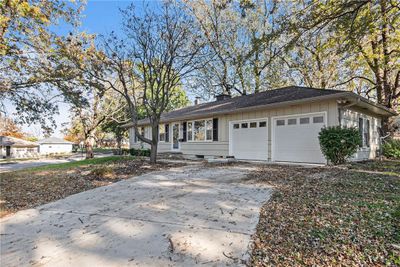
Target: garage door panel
(249,143)
(296,138)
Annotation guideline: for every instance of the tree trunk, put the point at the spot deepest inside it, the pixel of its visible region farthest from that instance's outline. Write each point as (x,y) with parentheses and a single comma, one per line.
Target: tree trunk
(119,145)
(154,143)
(89,147)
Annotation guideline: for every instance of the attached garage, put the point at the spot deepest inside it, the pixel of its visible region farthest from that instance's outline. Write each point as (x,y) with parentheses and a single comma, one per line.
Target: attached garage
(295,138)
(249,139)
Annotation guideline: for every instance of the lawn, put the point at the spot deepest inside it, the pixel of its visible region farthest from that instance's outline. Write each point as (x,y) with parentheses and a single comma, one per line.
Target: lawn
(329,216)
(32,187)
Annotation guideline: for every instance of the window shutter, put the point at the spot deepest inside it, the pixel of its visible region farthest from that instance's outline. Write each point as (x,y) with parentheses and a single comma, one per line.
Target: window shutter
(361,130)
(215,129)
(166,132)
(134,134)
(184,131)
(367,133)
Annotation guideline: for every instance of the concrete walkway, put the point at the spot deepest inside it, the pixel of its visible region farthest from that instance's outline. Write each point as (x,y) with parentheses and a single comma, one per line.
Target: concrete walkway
(185,216)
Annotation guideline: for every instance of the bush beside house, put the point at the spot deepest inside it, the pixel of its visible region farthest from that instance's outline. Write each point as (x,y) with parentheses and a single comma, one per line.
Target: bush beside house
(391,148)
(339,143)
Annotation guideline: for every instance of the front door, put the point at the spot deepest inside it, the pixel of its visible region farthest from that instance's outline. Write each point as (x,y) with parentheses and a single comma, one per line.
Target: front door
(175,136)
(8,151)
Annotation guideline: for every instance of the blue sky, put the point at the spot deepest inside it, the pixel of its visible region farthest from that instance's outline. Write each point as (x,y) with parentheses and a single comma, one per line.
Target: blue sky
(99,17)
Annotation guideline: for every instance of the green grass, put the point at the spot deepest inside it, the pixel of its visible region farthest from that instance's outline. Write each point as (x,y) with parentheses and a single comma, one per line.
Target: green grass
(74,164)
(103,150)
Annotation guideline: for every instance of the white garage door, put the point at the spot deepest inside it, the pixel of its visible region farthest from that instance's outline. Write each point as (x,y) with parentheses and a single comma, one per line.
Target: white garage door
(249,139)
(295,138)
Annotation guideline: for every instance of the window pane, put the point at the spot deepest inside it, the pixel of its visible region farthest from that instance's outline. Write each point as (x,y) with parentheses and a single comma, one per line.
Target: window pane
(304,120)
(280,122)
(189,131)
(253,124)
(292,121)
(161,131)
(209,128)
(319,119)
(199,130)
(245,125)
(262,124)
(236,126)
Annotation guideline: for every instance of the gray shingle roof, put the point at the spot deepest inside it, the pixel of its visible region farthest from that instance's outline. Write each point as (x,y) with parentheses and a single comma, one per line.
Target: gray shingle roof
(16,142)
(262,99)
(53,140)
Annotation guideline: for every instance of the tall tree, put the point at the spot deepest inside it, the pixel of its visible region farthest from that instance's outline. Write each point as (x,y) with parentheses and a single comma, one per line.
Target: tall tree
(369,34)
(91,117)
(8,127)
(30,68)
(146,67)
(314,61)
(242,41)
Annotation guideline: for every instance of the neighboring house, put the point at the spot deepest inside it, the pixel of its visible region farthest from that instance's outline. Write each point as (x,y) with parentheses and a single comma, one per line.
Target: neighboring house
(279,125)
(54,145)
(11,147)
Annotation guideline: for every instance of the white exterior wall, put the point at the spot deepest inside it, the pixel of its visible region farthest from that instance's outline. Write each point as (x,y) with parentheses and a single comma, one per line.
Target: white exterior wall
(221,147)
(46,149)
(20,152)
(349,118)
(162,146)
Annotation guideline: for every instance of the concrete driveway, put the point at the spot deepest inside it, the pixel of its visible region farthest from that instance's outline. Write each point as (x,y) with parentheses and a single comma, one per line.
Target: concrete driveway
(186,216)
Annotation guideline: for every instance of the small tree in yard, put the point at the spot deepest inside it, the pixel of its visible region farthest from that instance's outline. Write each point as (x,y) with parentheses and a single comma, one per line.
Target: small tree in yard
(145,68)
(338,143)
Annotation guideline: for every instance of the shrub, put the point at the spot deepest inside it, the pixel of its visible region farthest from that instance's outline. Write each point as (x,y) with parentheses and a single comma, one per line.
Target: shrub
(338,144)
(391,149)
(139,152)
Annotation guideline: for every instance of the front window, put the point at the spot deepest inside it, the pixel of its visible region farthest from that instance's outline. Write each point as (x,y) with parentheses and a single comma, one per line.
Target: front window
(190,131)
(209,130)
(363,127)
(201,130)
(161,131)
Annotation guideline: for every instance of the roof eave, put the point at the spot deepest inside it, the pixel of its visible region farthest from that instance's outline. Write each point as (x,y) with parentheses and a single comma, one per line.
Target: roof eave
(386,112)
(247,109)
(382,110)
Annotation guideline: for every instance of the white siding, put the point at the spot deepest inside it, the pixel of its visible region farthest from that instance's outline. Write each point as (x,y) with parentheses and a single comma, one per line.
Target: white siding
(47,149)
(349,118)
(221,147)
(21,152)
(162,146)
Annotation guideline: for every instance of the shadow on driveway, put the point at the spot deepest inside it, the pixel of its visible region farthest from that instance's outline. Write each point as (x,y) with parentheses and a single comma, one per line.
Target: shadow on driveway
(179,217)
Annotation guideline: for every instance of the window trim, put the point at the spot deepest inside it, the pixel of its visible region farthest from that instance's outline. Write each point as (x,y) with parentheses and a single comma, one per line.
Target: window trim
(205,131)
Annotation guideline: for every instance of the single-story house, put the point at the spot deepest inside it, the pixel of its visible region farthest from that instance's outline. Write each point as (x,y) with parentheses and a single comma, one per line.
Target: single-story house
(11,147)
(280,125)
(54,145)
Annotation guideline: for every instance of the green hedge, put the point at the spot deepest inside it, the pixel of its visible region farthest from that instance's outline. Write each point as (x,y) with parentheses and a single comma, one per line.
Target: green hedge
(137,152)
(391,149)
(338,144)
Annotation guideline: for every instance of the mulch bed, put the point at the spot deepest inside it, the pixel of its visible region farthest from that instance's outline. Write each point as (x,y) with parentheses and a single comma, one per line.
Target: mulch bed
(347,216)
(27,189)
